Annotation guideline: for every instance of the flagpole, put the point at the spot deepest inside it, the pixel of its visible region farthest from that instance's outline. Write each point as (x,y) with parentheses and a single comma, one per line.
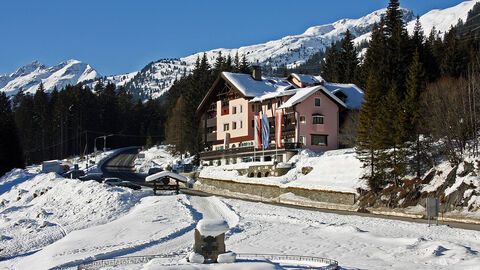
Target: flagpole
(276,136)
(254,136)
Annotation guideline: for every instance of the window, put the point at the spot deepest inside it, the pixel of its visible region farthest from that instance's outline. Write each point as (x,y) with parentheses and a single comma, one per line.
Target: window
(253,107)
(302,119)
(269,106)
(317,102)
(234,125)
(279,102)
(302,140)
(240,108)
(253,123)
(240,124)
(319,139)
(225,127)
(318,119)
(234,110)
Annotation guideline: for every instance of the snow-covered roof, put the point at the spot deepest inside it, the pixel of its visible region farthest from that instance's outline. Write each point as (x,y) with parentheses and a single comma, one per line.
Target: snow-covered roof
(212,227)
(160,175)
(303,93)
(305,78)
(253,88)
(353,93)
(278,93)
(273,87)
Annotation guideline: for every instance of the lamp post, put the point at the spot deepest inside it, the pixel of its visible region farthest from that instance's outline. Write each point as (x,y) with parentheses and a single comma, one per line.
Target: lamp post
(104,145)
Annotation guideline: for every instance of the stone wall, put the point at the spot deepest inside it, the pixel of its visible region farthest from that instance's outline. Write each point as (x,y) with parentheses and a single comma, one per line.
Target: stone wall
(263,171)
(272,192)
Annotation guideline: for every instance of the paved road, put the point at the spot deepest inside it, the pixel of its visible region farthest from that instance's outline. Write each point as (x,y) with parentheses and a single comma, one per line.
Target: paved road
(122,166)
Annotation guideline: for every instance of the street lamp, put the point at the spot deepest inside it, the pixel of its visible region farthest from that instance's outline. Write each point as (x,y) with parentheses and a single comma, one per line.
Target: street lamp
(104,145)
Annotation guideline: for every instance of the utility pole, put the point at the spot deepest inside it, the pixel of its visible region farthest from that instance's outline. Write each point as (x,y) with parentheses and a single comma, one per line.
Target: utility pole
(104,144)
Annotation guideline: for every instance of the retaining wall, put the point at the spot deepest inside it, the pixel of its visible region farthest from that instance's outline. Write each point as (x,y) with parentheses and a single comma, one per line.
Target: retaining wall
(272,192)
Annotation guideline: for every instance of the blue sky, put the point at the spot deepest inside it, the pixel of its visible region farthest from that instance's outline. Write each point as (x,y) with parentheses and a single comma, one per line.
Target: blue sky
(117,37)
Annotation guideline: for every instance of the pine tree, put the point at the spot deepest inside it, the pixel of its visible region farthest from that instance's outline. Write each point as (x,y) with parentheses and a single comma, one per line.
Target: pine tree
(41,119)
(244,67)
(348,59)
(228,64)
(392,155)
(219,63)
(331,69)
(175,135)
(367,148)
(236,63)
(416,85)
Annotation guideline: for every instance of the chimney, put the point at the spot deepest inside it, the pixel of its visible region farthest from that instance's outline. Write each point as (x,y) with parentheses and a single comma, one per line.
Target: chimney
(257,73)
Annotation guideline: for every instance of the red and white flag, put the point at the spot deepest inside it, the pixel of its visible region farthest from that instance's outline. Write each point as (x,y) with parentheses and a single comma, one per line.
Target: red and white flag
(278,128)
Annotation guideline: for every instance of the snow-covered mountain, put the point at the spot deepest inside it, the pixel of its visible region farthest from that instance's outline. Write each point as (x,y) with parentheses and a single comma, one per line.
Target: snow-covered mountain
(156,78)
(29,77)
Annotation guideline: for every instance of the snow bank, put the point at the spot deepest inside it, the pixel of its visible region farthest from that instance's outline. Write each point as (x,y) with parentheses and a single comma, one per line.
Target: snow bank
(143,228)
(195,258)
(337,170)
(229,257)
(44,209)
(212,227)
(12,178)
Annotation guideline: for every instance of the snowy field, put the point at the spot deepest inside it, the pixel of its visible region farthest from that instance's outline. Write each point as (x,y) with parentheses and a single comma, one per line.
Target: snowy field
(47,221)
(74,222)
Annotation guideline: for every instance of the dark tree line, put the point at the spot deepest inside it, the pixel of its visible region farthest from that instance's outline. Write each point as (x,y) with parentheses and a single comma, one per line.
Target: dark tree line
(63,123)
(10,148)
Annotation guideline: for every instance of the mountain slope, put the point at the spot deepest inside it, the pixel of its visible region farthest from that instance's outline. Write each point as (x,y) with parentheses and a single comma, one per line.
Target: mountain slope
(29,77)
(156,78)
(443,19)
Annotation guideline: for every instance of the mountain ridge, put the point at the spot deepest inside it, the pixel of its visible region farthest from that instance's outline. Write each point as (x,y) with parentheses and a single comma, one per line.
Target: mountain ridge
(156,78)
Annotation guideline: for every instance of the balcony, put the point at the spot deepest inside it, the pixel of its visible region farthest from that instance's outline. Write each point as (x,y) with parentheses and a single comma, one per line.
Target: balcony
(211,137)
(211,122)
(246,150)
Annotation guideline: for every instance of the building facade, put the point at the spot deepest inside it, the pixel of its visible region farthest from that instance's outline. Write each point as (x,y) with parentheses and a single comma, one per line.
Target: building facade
(308,106)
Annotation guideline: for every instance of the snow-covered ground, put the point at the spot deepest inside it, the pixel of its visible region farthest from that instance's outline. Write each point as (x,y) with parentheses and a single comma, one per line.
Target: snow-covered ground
(337,170)
(47,221)
(74,222)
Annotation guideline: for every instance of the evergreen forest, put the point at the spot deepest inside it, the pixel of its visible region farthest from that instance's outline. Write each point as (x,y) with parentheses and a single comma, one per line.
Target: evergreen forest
(66,123)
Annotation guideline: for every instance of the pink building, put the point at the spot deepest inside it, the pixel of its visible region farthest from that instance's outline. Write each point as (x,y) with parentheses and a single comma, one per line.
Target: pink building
(309,107)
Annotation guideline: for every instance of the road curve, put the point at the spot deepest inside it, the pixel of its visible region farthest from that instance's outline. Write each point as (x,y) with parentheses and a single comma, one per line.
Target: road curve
(122,166)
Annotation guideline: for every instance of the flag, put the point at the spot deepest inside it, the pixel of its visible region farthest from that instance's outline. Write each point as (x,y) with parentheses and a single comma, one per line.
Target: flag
(265,131)
(278,128)
(257,141)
